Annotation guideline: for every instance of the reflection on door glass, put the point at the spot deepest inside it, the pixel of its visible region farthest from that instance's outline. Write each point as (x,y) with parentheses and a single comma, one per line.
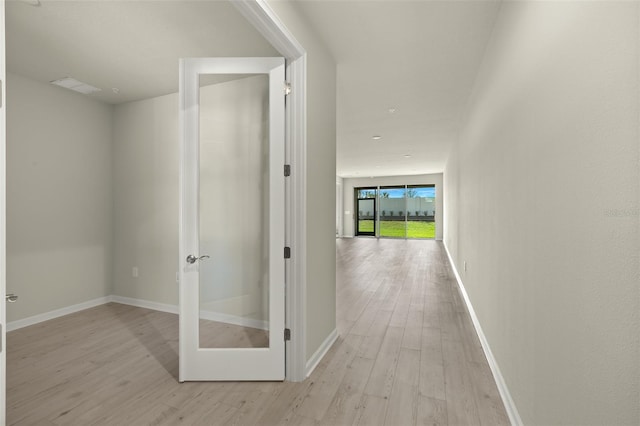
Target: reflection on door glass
(234,213)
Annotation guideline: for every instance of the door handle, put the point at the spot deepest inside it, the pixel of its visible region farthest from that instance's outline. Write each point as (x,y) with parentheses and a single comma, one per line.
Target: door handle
(193,259)
(11,298)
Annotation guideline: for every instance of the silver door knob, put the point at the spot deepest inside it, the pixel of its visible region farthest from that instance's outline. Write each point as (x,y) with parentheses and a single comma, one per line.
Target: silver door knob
(193,259)
(11,298)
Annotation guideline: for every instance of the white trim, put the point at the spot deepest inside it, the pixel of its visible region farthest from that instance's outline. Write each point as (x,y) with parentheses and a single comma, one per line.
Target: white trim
(147,304)
(235,320)
(297,223)
(259,14)
(509,404)
(3,210)
(208,315)
(321,352)
(139,303)
(25,322)
(264,19)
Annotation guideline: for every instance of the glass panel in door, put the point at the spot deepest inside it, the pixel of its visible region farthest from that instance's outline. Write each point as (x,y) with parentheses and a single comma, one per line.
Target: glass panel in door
(366,213)
(421,211)
(392,212)
(234,211)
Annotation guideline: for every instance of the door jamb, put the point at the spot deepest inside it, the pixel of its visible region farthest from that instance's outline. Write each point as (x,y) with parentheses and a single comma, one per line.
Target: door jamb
(3,211)
(263,18)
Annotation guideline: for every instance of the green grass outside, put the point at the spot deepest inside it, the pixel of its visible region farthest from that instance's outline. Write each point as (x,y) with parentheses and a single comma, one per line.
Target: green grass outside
(389,228)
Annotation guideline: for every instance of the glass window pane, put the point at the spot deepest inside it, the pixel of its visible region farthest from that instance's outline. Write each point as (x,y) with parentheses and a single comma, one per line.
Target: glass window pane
(392,212)
(366,193)
(234,221)
(421,208)
(366,211)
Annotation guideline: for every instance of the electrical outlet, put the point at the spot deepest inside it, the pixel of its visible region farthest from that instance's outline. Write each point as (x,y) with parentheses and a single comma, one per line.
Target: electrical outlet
(134,272)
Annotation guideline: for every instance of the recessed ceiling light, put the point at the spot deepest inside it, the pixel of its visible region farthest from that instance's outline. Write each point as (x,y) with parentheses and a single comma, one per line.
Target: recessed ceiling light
(376,137)
(75,85)
(407,156)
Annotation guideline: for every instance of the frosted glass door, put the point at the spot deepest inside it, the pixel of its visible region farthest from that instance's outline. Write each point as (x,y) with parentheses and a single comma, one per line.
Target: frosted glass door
(232,239)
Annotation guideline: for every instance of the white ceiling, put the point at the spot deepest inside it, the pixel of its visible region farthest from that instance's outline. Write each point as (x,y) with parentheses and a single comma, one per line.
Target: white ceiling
(419,57)
(130,45)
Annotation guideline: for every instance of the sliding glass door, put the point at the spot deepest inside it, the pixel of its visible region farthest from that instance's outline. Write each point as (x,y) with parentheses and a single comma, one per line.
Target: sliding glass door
(421,211)
(392,211)
(406,211)
(366,211)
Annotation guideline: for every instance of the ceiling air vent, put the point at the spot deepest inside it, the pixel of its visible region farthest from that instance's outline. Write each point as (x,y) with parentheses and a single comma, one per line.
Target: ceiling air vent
(75,85)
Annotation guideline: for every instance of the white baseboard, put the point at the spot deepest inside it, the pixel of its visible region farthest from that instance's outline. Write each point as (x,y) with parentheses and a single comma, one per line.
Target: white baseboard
(25,322)
(509,404)
(236,320)
(208,315)
(147,304)
(321,352)
(140,303)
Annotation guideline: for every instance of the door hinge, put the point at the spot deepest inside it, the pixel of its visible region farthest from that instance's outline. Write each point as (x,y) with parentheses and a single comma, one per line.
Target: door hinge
(287,252)
(287,170)
(287,334)
(287,88)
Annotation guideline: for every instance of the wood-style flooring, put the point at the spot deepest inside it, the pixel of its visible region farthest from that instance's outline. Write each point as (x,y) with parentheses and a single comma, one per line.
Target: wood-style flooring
(407,354)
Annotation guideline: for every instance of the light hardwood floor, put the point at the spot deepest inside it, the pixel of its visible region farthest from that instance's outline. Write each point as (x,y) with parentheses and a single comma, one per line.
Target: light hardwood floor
(407,354)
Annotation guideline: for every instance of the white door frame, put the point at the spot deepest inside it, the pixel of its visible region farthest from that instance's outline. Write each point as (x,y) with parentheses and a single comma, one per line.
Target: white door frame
(3,229)
(264,19)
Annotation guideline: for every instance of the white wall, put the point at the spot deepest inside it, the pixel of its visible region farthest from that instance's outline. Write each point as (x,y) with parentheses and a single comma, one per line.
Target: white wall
(348,196)
(59,195)
(321,172)
(145,171)
(541,201)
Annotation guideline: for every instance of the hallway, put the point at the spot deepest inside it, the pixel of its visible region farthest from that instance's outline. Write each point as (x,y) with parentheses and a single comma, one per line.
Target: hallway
(413,347)
(407,355)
